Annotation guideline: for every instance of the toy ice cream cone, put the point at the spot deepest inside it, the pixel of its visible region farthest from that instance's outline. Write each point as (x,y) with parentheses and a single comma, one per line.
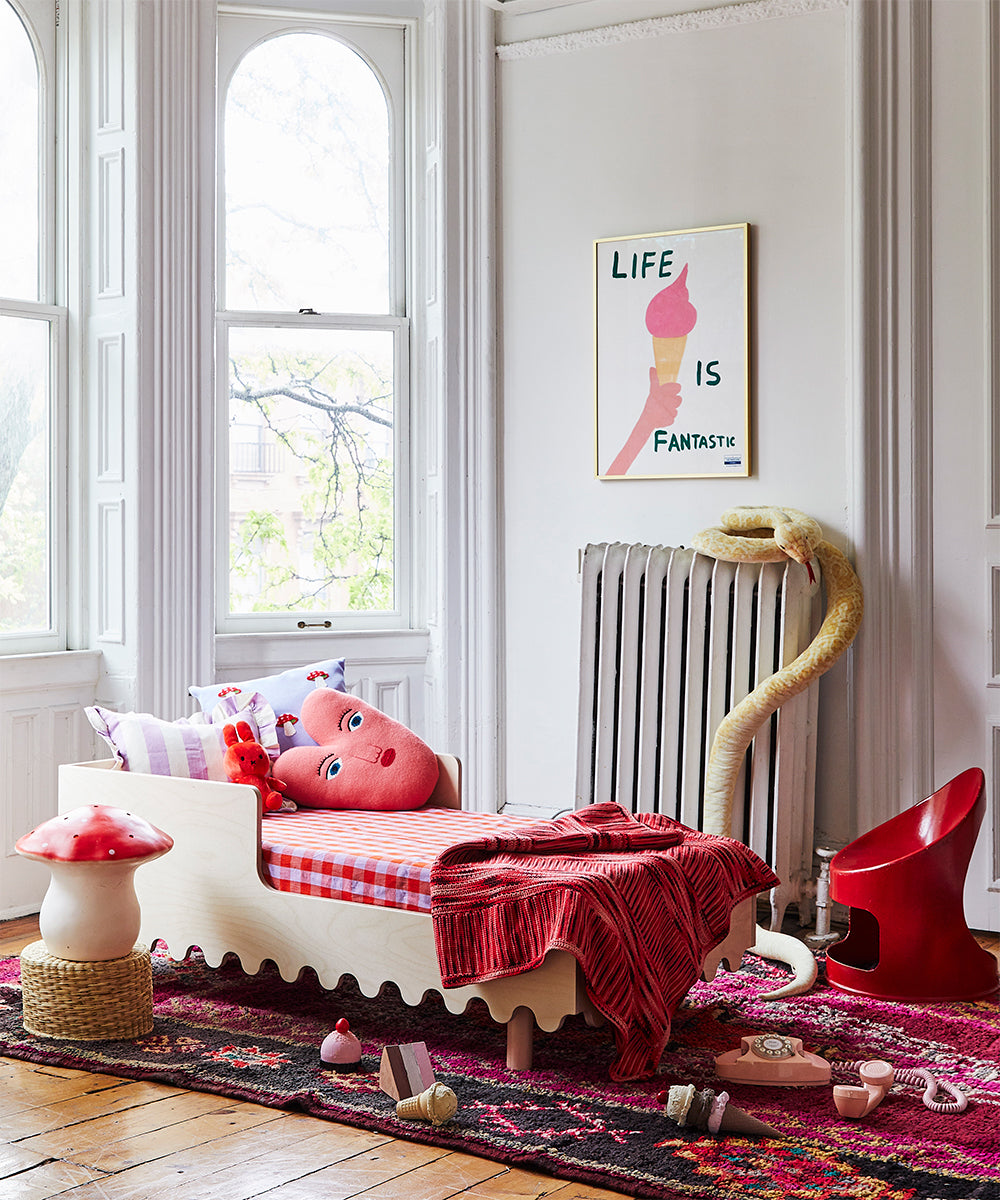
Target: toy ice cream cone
(437,1104)
(692,1109)
(670,317)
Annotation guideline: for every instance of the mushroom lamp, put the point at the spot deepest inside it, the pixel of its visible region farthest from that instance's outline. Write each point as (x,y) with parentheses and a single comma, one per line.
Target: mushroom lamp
(90,912)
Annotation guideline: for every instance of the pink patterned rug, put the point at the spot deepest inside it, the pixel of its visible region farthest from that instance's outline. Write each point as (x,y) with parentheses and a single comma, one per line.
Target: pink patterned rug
(256,1038)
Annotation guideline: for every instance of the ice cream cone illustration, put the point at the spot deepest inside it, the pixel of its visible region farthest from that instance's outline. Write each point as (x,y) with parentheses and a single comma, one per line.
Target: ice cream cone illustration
(692,1109)
(436,1104)
(670,317)
(667,354)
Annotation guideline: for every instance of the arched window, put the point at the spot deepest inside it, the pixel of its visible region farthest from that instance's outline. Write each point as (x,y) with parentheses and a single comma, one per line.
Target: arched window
(31,337)
(20,131)
(313,331)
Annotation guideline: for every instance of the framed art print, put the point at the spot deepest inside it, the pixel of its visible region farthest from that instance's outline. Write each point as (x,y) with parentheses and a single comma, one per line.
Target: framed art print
(671,354)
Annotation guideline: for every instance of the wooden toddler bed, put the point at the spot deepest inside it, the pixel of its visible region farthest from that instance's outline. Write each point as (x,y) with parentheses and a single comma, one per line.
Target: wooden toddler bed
(210,891)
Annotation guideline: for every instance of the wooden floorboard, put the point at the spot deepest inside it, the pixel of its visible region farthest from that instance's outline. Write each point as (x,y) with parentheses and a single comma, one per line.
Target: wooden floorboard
(84,1136)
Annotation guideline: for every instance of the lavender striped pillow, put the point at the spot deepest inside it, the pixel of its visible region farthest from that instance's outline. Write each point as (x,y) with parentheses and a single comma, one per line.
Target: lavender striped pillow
(190,748)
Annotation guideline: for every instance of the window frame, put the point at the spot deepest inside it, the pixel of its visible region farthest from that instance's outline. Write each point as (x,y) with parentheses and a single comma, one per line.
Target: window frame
(241,30)
(39,18)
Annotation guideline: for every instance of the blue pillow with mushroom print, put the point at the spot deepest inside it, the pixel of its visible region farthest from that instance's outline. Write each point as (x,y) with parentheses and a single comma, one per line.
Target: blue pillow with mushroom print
(284,692)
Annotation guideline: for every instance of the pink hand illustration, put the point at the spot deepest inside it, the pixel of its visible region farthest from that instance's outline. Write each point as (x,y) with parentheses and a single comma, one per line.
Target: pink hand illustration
(659,411)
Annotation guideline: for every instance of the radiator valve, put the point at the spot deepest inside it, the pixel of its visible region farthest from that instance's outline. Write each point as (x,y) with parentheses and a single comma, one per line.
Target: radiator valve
(823,935)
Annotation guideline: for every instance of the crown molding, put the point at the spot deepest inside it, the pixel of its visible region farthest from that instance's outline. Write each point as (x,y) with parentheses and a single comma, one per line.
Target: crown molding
(633,31)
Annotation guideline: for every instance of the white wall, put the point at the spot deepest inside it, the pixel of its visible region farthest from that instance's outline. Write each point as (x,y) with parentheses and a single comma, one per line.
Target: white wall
(742,120)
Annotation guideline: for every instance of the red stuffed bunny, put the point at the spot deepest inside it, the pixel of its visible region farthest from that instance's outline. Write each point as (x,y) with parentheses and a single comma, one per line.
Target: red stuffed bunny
(246,761)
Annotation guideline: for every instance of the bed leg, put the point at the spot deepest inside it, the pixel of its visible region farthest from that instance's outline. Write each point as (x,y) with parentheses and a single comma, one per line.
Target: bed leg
(520,1030)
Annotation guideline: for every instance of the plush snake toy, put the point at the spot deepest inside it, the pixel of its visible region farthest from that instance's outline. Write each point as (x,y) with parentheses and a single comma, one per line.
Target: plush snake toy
(755,534)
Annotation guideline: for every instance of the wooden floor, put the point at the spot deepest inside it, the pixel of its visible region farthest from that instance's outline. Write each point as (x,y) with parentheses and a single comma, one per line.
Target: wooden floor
(95,1137)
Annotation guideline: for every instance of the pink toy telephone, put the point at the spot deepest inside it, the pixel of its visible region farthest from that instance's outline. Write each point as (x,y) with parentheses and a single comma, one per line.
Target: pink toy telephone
(772,1059)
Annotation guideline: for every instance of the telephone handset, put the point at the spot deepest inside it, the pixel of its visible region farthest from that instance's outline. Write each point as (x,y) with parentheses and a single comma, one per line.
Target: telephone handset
(877,1077)
(771,1059)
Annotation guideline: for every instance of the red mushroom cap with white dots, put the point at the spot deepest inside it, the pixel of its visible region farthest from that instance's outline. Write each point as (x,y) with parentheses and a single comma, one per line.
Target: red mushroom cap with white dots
(94,833)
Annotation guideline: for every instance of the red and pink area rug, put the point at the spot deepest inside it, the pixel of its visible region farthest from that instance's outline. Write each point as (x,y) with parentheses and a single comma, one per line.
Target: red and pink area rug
(257,1038)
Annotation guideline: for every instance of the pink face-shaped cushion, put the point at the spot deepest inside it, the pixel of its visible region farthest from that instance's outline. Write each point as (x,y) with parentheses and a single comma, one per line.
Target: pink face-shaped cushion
(363,759)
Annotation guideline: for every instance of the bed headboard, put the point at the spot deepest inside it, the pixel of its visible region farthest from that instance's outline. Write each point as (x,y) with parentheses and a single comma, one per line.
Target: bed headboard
(448,789)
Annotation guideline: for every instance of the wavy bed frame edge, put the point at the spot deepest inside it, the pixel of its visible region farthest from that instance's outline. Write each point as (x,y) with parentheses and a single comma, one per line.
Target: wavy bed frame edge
(209,892)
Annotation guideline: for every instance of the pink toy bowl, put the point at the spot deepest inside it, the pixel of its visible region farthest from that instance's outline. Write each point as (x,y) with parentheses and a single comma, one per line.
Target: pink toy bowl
(903,882)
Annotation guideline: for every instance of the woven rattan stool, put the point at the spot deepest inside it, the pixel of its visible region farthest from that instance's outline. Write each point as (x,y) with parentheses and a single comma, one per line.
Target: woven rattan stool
(86,1001)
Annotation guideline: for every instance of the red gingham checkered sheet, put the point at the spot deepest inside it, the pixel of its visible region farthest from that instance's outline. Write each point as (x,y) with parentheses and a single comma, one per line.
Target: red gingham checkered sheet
(371,857)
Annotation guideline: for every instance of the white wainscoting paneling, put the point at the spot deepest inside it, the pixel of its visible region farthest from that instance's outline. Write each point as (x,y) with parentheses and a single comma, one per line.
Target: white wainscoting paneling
(110,67)
(385,668)
(110,369)
(111,566)
(42,724)
(111,224)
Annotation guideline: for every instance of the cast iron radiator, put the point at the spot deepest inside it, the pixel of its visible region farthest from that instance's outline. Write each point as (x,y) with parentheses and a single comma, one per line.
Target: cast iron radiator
(671,640)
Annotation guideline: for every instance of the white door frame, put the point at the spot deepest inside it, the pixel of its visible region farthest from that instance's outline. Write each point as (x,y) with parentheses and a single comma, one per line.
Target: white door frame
(893,454)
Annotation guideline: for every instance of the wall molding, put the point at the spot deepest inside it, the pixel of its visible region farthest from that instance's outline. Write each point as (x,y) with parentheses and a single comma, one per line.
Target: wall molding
(992,154)
(176,252)
(993,808)
(462,551)
(100,176)
(111,572)
(993,617)
(633,31)
(110,67)
(893,714)
(109,372)
(111,224)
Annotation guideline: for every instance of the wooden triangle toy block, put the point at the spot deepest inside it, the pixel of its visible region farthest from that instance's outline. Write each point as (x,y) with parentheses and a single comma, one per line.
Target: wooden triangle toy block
(405,1070)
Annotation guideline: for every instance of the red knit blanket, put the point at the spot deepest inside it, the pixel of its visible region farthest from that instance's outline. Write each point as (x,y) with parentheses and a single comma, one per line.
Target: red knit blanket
(638,900)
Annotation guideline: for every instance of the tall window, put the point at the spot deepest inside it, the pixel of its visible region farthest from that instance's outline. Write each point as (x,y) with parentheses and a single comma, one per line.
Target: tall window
(312,328)
(31,336)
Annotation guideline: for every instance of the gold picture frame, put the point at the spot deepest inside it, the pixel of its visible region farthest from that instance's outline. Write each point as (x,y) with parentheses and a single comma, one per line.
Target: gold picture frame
(672,354)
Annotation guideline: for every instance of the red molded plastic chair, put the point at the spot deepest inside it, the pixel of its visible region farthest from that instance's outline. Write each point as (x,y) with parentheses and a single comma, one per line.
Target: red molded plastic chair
(904,882)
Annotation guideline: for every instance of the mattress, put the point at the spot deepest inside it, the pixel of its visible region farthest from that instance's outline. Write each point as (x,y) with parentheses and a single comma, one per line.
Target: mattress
(381,858)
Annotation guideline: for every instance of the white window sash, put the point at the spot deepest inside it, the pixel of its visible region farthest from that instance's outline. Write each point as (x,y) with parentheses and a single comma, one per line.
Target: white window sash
(382,44)
(39,18)
(53,638)
(400,616)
